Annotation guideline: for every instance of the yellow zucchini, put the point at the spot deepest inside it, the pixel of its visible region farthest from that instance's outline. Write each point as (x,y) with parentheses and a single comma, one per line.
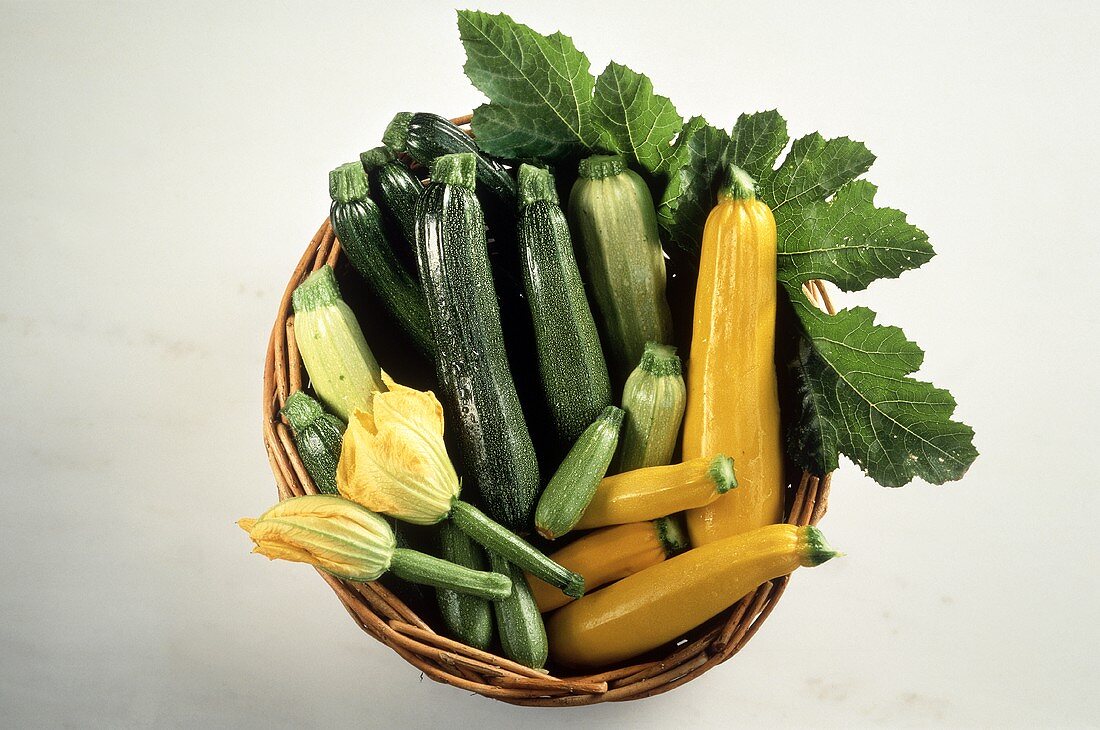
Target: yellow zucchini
(657,491)
(733,402)
(605,556)
(663,602)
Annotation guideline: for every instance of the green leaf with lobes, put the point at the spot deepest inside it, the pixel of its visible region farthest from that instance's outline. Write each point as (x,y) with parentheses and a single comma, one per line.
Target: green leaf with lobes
(696,169)
(632,120)
(699,163)
(539,88)
(847,240)
(857,399)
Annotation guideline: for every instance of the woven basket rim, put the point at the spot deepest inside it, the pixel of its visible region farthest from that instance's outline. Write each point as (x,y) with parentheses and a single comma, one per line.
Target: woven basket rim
(385,617)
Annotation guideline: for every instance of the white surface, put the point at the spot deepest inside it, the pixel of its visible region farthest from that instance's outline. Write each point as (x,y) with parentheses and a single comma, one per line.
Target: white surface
(161,169)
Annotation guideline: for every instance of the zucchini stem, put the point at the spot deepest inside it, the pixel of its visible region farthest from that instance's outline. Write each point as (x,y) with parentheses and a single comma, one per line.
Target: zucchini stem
(497,539)
(318,290)
(417,567)
(597,167)
(671,535)
(459,169)
(815,550)
(396,135)
(739,185)
(301,410)
(721,471)
(535,184)
(348,182)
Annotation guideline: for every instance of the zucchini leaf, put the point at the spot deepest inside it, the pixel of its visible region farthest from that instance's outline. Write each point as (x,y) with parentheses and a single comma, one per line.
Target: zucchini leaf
(857,399)
(698,166)
(847,240)
(632,120)
(539,88)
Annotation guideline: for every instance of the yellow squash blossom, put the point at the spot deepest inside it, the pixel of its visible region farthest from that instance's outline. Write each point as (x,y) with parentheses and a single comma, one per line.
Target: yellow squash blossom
(336,535)
(351,542)
(394,461)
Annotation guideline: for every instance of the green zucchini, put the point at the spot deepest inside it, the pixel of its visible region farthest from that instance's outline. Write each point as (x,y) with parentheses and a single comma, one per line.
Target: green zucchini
(654,399)
(357,222)
(519,621)
(574,483)
(472,368)
(396,188)
(571,365)
(469,618)
(612,215)
(341,366)
(318,436)
(425,137)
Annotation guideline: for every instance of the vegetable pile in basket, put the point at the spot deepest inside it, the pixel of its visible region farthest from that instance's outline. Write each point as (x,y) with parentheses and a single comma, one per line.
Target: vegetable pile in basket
(553,330)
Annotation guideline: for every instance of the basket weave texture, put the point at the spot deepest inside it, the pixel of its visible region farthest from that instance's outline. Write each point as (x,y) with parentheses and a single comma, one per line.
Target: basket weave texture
(386,618)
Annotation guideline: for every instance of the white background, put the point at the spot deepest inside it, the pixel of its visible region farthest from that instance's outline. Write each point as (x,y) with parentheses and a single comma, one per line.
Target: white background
(163,165)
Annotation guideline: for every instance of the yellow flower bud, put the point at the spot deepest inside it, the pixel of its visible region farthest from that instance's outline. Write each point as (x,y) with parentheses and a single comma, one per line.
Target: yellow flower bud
(335,535)
(394,461)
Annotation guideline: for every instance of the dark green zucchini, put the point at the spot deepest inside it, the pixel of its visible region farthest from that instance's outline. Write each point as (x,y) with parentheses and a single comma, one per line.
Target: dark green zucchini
(318,436)
(424,137)
(519,621)
(574,483)
(472,368)
(358,226)
(571,363)
(395,188)
(469,618)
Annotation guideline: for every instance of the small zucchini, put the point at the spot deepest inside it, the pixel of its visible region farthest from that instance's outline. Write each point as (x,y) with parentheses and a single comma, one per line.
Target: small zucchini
(519,621)
(607,555)
(571,365)
(358,225)
(425,137)
(341,366)
(318,436)
(657,491)
(575,482)
(396,188)
(654,399)
(468,618)
(611,212)
(665,601)
(476,385)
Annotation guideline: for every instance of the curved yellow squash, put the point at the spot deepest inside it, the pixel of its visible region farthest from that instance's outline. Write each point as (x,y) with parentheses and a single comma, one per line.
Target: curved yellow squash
(732,402)
(604,556)
(664,601)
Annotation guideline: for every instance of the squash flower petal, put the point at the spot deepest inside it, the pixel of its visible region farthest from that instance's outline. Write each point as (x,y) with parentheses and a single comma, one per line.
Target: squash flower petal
(333,534)
(394,461)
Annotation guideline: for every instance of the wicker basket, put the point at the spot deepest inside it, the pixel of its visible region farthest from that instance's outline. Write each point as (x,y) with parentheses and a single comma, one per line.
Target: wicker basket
(385,617)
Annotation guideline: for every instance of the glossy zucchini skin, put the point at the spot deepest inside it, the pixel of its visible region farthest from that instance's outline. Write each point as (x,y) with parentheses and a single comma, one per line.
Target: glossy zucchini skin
(572,369)
(612,215)
(468,618)
(318,436)
(654,399)
(426,137)
(396,188)
(574,483)
(476,385)
(357,222)
(519,621)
